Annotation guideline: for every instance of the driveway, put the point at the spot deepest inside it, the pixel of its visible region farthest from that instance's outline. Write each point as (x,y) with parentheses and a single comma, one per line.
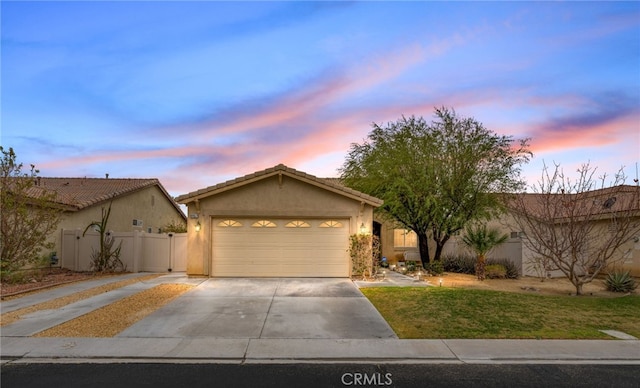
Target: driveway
(267,308)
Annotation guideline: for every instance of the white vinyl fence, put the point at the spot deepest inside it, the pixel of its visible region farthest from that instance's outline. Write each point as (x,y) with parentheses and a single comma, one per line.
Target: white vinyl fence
(141,252)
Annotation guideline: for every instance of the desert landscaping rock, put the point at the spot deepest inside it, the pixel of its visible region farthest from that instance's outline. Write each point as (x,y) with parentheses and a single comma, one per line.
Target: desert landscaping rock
(115,317)
(15,315)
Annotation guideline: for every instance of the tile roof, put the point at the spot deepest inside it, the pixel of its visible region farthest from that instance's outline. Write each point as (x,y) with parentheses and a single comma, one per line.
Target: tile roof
(79,193)
(592,203)
(326,183)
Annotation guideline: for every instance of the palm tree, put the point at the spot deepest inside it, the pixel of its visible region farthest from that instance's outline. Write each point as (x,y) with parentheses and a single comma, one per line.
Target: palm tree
(482,241)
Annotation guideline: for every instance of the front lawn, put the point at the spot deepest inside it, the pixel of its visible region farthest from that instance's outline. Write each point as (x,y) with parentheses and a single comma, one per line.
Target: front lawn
(436,312)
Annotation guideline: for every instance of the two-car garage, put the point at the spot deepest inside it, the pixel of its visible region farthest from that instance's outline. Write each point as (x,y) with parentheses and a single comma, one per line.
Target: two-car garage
(265,246)
(277,222)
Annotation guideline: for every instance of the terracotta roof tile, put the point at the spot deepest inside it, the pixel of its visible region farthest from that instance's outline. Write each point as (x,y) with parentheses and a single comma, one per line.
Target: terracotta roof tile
(79,193)
(595,202)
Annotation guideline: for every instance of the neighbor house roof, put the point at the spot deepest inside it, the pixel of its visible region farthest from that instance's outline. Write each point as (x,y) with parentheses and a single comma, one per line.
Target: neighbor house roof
(594,203)
(330,184)
(78,193)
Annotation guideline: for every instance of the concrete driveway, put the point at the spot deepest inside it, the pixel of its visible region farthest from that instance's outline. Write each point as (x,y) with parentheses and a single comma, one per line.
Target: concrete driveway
(267,308)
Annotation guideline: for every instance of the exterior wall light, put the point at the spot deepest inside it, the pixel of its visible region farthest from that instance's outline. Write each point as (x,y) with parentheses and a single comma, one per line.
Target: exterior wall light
(198,226)
(363,228)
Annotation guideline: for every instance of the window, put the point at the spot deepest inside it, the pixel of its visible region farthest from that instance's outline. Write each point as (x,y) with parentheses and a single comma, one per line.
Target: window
(229,224)
(331,224)
(297,224)
(263,224)
(404,238)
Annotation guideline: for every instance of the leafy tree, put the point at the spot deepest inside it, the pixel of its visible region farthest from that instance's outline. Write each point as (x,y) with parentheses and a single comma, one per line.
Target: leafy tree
(28,215)
(482,240)
(435,177)
(581,226)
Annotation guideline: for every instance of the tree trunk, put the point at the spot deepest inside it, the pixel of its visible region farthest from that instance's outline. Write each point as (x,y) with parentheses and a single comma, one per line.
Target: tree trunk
(480,272)
(423,246)
(578,288)
(440,247)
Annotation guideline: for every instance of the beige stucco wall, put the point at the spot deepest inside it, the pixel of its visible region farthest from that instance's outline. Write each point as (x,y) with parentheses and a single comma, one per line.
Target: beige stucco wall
(268,197)
(148,204)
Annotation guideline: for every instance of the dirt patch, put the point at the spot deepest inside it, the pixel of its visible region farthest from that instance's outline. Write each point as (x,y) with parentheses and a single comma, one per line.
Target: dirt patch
(38,280)
(117,316)
(530,285)
(13,316)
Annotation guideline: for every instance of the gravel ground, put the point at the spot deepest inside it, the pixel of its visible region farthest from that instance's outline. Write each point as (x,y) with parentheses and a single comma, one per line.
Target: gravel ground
(115,317)
(36,280)
(13,316)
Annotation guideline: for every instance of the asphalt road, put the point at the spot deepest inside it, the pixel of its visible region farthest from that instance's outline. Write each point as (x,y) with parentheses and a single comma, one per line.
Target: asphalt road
(317,375)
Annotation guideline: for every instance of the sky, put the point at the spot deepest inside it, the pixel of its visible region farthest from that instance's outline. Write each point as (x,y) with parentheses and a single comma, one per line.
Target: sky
(196,93)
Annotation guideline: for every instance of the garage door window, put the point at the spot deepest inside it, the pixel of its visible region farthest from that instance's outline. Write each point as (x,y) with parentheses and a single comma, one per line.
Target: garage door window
(229,224)
(297,224)
(264,224)
(331,224)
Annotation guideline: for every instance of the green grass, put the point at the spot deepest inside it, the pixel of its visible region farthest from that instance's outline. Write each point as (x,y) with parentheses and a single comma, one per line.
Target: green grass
(436,312)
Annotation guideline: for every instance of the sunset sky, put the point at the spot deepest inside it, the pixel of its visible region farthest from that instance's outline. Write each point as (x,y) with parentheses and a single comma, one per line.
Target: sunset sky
(195,93)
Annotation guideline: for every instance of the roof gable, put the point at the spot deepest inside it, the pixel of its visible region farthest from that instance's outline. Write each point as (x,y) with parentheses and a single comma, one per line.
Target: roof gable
(79,193)
(280,169)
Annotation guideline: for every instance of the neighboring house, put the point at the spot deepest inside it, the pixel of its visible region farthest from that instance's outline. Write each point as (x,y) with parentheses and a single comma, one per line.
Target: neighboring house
(277,222)
(401,244)
(599,206)
(136,204)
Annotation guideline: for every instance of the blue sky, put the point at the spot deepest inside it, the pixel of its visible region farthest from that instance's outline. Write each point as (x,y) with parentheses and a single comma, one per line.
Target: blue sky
(195,93)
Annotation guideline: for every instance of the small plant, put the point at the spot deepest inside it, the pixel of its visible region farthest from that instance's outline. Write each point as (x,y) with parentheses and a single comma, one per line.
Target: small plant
(436,268)
(482,240)
(495,271)
(107,259)
(510,267)
(620,282)
(411,266)
(175,227)
(459,264)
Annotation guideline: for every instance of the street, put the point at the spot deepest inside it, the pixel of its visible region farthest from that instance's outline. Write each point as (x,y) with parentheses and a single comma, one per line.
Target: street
(159,375)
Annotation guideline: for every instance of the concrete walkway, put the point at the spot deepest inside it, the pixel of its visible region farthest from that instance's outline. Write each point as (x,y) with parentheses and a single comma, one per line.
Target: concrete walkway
(394,279)
(17,346)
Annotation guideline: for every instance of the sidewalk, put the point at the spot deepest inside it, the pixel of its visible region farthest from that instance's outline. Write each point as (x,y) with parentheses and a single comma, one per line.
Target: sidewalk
(16,345)
(216,350)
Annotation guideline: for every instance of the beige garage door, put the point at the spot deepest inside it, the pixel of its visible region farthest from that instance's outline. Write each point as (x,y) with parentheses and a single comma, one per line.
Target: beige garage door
(267,247)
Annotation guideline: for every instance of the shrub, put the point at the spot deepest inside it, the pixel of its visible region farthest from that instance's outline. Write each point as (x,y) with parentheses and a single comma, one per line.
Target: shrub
(411,266)
(436,268)
(620,282)
(175,227)
(459,264)
(495,271)
(510,267)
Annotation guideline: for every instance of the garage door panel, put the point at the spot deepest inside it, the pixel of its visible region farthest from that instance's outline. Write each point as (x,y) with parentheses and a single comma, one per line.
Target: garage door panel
(280,251)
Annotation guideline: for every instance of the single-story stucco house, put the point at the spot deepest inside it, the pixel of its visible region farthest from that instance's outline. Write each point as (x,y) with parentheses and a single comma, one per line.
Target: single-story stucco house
(278,222)
(136,204)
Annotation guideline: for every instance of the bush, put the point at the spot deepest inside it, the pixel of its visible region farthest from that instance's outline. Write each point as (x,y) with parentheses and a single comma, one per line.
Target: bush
(510,267)
(495,271)
(411,266)
(620,282)
(436,268)
(459,264)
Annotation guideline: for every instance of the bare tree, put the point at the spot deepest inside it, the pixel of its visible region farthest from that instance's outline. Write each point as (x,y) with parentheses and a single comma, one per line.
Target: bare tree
(581,226)
(28,215)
